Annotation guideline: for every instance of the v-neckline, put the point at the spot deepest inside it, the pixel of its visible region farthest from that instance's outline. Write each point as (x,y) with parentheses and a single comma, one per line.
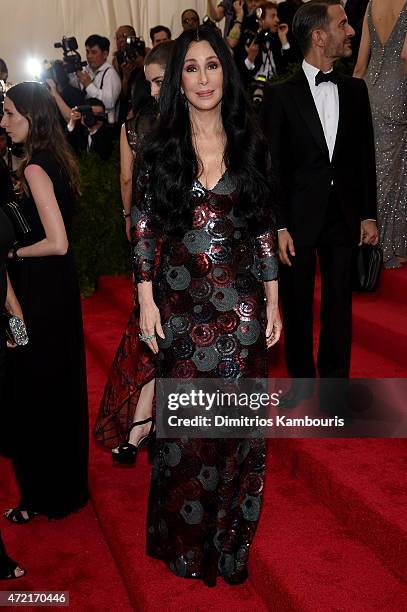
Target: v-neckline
(384,45)
(215,185)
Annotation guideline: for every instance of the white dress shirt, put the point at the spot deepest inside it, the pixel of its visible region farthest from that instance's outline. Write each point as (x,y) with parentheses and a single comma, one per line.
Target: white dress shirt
(110,92)
(326,100)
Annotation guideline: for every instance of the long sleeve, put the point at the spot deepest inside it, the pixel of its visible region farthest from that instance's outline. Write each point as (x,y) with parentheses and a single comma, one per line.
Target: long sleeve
(145,232)
(273,122)
(369,204)
(266,247)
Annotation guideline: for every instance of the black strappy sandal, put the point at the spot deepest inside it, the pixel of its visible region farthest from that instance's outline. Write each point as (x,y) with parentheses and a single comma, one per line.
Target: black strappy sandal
(8,567)
(15,515)
(126,453)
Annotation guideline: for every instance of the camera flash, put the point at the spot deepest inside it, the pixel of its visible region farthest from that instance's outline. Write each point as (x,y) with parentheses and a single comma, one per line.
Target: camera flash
(34,67)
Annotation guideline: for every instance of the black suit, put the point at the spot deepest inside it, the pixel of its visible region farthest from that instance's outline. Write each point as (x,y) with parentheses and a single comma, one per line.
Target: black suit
(101,140)
(322,205)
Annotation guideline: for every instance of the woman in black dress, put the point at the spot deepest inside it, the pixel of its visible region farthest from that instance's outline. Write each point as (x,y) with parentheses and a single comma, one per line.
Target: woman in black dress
(46,398)
(8,568)
(206,267)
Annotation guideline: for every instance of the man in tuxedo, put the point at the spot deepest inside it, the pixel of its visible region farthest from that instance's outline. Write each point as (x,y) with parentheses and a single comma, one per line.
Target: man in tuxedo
(319,127)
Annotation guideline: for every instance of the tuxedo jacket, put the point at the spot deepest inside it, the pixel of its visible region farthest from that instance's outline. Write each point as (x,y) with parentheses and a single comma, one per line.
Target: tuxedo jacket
(300,156)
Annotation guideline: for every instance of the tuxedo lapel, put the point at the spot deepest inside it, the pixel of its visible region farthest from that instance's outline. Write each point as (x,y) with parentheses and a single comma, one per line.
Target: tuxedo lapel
(308,110)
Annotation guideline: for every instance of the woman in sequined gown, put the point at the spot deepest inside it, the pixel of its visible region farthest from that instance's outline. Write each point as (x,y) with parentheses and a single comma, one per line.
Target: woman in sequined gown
(129,390)
(205,260)
(380,63)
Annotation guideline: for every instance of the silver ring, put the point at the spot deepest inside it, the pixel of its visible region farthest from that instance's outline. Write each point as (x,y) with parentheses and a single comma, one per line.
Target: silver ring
(146,338)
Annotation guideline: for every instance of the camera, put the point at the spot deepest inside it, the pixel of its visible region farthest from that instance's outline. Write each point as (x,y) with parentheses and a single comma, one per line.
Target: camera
(134,47)
(72,59)
(259,38)
(90,118)
(207,21)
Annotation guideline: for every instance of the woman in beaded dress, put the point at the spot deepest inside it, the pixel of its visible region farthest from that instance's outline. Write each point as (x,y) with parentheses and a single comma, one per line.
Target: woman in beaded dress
(129,391)
(205,260)
(380,64)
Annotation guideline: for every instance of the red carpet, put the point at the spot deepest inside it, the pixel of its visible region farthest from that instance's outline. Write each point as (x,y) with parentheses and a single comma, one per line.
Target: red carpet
(333,532)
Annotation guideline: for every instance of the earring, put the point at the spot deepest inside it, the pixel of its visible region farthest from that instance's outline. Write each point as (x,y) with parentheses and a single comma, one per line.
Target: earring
(184,98)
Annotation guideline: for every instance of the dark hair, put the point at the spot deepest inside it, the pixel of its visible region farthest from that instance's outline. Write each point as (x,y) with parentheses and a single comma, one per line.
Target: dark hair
(159,28)
(98,41)
(189,11)
(169,155)
(95,102)
(267,6)
(160,54)
(3,66)
(140,93)
(309,17)
(35,103)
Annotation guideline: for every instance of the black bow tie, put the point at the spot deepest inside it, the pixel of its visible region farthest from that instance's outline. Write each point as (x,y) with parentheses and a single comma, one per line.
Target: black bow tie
(323,77)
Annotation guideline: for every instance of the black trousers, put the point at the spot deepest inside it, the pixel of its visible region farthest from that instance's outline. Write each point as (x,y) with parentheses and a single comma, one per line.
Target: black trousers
(334,249)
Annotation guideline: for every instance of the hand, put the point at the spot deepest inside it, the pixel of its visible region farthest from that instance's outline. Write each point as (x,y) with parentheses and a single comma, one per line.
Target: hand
(274,325)
(369,234)
(52,87)
(252,51)
(150,323)
(75,116)
(238,8)
(285,247)
(282,33)
(84,78)
(130,65)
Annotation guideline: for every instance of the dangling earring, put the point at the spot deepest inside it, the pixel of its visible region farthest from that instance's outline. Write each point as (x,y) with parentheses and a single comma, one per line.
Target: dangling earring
(184,98)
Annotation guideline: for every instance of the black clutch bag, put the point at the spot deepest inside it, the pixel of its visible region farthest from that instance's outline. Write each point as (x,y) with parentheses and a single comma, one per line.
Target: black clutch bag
(22,229)
(366,269)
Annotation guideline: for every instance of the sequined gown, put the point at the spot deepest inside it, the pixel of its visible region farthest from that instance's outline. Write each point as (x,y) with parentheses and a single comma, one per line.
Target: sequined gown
(206,495)
(387,86)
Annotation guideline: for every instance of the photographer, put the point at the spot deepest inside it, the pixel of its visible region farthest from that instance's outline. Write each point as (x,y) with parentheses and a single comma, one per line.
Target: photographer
(65,95)
(223,9)
(245,19)
(87,129)
(128,62)
(267,52)
(99,79)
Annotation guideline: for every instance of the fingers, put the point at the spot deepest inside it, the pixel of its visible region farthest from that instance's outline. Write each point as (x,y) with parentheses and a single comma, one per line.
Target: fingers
(159,330)
(273,333)
(282,252)
(291,247)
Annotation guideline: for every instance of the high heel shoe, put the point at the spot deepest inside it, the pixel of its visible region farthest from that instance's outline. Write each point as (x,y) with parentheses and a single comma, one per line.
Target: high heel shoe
(126,452)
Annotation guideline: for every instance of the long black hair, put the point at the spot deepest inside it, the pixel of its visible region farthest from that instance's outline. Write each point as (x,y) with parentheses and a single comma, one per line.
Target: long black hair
(171,159)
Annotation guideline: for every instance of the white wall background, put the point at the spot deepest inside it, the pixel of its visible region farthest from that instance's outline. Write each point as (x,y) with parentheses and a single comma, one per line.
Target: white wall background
(28,28)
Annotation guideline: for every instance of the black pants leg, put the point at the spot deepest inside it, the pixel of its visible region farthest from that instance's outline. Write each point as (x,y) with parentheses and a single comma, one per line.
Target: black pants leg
(297,295)
(336,311)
